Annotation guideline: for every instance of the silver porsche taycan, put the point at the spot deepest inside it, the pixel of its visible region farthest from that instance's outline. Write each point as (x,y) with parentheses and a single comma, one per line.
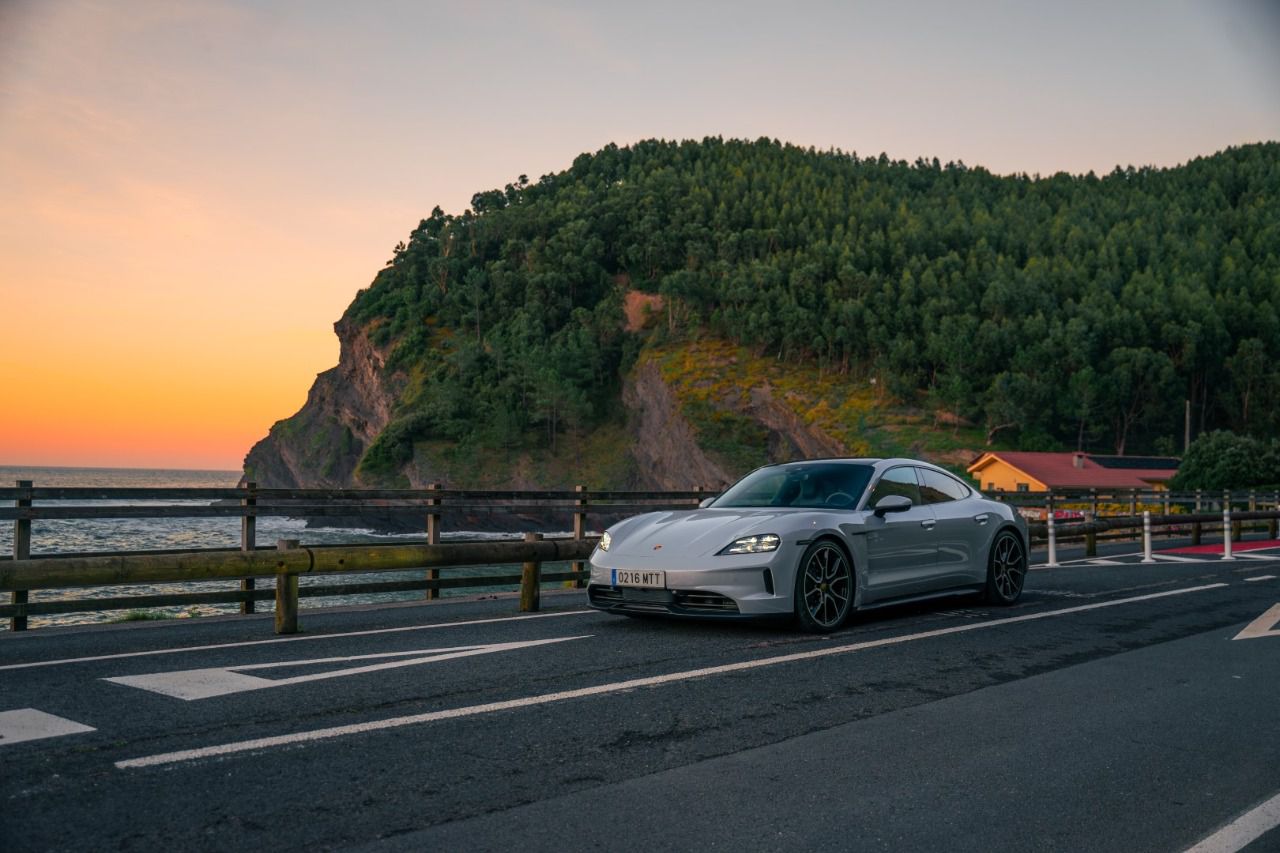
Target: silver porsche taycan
(815,540)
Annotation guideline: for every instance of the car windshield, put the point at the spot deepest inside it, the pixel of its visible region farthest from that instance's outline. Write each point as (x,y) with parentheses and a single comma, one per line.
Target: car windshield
(833,485)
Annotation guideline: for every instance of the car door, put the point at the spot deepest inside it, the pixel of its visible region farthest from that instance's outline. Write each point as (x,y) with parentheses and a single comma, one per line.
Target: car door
(901,551)
(961,528)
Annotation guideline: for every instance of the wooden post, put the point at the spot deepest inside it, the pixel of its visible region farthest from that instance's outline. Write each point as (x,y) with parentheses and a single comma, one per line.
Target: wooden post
(1093,504)
(1133,502)
(1196,529)
(1236,526)
(1091,537)
(433,538)
(579,533)
(531,581)
(21,551)
(286,594)
(248,541)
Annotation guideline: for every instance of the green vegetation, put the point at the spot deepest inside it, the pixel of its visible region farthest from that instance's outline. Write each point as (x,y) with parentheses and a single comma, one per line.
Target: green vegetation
(140,616)
(1223,460)
(715,381)
(1043,312)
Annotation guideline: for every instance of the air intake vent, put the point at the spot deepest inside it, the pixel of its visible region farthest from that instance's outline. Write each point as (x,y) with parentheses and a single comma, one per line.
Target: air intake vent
(705,602)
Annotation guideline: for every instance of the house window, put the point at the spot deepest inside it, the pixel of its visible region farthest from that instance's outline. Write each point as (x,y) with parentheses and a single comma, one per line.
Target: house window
(1023,487)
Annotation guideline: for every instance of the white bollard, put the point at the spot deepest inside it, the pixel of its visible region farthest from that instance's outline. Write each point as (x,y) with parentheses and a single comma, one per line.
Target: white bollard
(1053,542)
(1226,532)
(1146,537)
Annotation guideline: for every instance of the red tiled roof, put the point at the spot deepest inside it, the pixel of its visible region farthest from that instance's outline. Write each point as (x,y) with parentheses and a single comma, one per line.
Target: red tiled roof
(1059,470)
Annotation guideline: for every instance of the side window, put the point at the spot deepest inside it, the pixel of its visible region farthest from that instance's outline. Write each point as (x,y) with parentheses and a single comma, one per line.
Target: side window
(938,488)
(897,481)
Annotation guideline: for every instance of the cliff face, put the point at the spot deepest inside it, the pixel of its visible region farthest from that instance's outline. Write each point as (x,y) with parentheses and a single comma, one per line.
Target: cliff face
(695,414)
(664,445)
(320,446)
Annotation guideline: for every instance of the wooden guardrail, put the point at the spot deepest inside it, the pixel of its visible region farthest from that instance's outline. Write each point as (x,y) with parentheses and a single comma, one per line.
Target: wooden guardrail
(285,563)
(23,572)
(1103,513)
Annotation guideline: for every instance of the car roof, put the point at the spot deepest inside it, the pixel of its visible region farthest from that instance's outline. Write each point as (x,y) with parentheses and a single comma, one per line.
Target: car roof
(863,460)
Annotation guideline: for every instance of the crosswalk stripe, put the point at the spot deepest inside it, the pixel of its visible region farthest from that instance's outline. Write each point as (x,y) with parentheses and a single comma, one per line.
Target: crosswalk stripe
(26,724)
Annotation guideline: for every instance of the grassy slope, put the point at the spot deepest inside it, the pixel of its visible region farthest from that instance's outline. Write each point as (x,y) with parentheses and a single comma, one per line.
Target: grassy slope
(712,380)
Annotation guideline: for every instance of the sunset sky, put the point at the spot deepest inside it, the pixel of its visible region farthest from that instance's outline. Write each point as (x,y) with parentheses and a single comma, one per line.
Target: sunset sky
(191,193)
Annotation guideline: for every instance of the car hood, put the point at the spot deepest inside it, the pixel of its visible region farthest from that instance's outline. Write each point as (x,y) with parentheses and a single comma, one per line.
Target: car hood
(697,532)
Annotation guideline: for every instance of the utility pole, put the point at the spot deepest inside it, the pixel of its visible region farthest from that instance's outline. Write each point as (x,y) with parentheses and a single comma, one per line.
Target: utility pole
(1186,432)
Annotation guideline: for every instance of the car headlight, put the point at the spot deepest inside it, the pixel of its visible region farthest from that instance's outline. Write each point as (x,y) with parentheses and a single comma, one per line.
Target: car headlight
(754,544)
(605,541)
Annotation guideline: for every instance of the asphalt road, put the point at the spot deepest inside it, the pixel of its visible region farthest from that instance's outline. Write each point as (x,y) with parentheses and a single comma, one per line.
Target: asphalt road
(1112,709)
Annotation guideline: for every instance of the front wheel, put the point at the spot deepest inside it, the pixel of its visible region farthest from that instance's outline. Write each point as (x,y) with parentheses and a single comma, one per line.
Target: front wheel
(824,588)
(1006,569)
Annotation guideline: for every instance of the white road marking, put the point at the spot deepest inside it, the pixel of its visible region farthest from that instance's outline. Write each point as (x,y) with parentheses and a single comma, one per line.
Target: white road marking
(29,724)
(617,686)
(1242,831)
(1175,559)
(1250,556)
(190,684)
(295,639)
(1091,559)
(1263,626)
(1260,578)
(1106,563)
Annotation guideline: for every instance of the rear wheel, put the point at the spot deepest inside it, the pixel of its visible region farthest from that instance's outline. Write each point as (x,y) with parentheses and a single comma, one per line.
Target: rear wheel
(824,587)
(1006,569)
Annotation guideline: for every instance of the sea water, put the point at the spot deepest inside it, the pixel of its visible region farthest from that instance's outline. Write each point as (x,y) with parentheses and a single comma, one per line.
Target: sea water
(62,536)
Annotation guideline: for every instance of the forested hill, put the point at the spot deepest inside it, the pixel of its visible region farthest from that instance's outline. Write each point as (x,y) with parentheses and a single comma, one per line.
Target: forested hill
(1047,312)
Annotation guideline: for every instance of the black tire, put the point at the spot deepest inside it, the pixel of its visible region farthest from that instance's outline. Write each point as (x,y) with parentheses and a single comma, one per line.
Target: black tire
(824,587)
(1006,569)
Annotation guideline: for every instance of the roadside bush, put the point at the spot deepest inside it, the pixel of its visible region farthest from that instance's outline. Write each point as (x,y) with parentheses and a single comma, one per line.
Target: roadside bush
(1223,460)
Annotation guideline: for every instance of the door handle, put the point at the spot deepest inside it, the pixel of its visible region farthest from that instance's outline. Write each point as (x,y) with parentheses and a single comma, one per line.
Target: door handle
(981,519)
(928,523)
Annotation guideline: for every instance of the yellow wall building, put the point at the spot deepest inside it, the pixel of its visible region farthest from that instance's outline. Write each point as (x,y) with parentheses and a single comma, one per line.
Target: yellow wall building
(1021,471)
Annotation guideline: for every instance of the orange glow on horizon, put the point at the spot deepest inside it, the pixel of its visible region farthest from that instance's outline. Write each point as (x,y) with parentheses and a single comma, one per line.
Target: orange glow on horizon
(192,193)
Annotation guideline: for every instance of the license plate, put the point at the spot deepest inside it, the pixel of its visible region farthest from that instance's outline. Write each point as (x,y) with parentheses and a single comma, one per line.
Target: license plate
(648,580)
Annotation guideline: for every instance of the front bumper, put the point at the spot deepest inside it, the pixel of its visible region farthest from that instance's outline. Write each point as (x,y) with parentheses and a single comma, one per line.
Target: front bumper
(742,587)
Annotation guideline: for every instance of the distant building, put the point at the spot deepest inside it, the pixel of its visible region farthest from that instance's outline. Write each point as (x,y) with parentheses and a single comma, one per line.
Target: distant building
(1016,471)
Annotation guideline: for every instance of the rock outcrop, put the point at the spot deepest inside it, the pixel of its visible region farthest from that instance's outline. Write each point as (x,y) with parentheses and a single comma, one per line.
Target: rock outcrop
(665,447)
(320,446)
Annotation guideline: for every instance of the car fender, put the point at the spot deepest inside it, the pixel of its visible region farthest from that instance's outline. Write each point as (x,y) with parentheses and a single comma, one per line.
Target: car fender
(855,547)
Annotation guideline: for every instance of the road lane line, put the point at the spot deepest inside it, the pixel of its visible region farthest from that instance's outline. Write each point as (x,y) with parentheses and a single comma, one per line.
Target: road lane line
(29,724)
(191,684)
(1260,578)
(616,687)
(1242,831)
(295,639)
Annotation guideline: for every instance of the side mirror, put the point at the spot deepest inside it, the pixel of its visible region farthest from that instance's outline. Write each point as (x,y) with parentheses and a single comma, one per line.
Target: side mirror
(892,503)
(705,502)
